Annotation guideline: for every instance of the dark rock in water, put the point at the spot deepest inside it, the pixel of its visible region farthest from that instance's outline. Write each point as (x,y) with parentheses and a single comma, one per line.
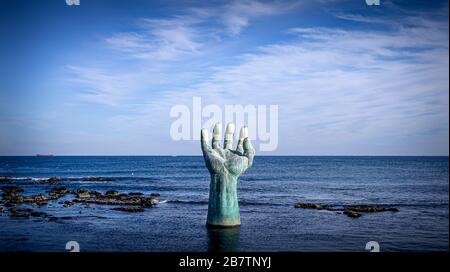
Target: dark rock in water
(13,198)
(353,211)
(100,179)
(148,201)
(112,193)
(356,210)
(312,206)
(46,182)
(11,195)
(20,212)
(54,179)
(12,189)
(52,218)
(58,192)
(370,208)
(5,180)
(135,194)
(155,194)
(114,199)
(26,213)
(39,199)
(97,179)
(352,214)
(67,204)
(38,214)
(129,209)
(82,193)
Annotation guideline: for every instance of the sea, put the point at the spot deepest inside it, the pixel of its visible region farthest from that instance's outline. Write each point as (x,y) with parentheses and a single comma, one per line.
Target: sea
(417,186)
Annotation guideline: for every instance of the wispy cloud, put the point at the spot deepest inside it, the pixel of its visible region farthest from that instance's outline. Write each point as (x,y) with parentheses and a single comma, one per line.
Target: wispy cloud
(189,34)
(238,14)
(339,90)
(103,87)
(344,87)
(160,39)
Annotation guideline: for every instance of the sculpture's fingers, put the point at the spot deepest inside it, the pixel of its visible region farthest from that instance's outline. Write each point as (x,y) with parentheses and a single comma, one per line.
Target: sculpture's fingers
(242,135)
(249,151)
(205,140)
(217,131)
(228,141)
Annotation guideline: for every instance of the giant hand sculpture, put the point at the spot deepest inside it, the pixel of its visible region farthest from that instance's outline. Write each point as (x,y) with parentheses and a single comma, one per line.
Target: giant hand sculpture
(225,166)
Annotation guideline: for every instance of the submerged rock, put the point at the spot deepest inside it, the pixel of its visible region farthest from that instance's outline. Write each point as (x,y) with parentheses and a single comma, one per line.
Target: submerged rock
(54,179)
(129,209)
(136,194)
(352,214)
(370,208)
(100,179)
(97,179)
(312,206)
(112,193)
(38,214)
(114,198)
(38,199)
(12,189)
(67,204)
(353,211)
(82,193)
(11,195)
(45,182)
(58,192)
(4,179)
(20,212)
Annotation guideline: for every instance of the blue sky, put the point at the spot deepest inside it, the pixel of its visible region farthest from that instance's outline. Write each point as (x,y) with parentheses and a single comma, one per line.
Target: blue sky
(101,78)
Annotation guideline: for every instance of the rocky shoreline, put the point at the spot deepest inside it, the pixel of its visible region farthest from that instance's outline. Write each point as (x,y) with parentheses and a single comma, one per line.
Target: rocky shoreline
(353,211)
(16,205)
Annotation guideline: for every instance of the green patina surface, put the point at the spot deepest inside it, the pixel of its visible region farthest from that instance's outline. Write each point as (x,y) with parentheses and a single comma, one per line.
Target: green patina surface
(223,208)
(225,166)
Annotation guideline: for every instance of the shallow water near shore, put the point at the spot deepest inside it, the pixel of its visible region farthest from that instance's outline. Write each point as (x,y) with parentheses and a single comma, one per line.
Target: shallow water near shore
(417,186)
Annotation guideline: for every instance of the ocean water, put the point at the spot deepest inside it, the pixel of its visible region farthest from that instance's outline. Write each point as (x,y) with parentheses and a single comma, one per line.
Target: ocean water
(417,186)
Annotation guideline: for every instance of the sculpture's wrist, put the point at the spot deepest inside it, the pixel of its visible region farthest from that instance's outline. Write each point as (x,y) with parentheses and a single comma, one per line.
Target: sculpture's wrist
(224,176)
(223,209)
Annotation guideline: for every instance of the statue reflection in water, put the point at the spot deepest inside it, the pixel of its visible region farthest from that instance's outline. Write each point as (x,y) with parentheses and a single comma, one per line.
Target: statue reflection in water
(223,239)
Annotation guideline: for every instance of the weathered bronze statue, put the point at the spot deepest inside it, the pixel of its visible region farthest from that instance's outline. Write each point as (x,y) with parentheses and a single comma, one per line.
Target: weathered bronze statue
(225,166)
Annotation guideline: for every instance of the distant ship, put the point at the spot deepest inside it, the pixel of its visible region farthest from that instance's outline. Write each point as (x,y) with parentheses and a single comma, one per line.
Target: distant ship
(44,155)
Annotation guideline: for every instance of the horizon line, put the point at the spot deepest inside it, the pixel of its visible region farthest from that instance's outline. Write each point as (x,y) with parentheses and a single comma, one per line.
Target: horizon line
(200,155)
